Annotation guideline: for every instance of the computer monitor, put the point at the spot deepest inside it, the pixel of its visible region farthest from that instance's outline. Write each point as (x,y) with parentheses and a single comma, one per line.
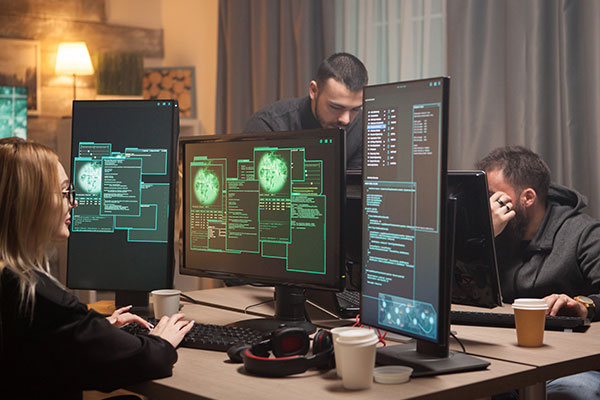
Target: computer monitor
(123,168)
(13,111)
(266,208)
(407,229)
(475,279)
(353,231)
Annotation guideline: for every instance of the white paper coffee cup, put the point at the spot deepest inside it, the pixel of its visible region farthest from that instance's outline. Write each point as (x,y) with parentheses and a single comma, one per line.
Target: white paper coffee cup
(355,332)
(356,353)
(165,302)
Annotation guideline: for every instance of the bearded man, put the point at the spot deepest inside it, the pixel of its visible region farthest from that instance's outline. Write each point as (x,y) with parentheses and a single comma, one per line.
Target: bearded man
(334,101)
(546,247)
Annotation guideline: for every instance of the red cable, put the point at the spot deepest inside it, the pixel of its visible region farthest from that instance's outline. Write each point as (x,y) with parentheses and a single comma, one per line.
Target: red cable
(380,336)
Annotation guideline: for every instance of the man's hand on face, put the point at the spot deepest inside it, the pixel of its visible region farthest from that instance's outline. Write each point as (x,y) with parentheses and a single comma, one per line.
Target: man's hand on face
(501,207)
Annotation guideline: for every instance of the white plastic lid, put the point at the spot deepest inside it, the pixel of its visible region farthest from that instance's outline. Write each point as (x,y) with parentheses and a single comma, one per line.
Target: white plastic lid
(358,342)
(530,304)
(392,374)
(166,292)
(335,331)
(353,335)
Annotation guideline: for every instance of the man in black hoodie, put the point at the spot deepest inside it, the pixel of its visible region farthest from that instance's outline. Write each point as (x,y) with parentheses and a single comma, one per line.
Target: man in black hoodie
(546,247)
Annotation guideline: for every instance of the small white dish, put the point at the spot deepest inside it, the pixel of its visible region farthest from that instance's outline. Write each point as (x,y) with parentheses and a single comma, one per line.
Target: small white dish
(392,374)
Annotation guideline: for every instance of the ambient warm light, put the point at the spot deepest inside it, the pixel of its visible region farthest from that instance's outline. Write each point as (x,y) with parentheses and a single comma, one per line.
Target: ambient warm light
(73,58)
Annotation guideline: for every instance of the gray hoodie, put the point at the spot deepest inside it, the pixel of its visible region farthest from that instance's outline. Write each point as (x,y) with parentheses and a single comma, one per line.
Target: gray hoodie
(563,256)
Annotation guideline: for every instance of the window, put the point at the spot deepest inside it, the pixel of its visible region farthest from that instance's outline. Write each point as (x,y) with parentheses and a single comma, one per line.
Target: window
(396,39)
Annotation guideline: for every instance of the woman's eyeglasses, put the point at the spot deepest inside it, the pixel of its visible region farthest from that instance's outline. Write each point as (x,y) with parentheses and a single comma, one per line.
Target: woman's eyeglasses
(69,194)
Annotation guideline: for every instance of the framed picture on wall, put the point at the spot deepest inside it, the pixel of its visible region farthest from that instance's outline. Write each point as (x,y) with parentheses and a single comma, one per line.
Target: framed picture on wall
(172,83)
(20,66)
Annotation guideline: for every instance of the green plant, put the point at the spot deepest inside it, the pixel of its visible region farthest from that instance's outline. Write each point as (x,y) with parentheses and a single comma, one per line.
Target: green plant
(119,73)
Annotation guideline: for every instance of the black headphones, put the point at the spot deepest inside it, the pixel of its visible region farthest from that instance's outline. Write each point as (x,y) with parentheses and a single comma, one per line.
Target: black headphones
(289,346)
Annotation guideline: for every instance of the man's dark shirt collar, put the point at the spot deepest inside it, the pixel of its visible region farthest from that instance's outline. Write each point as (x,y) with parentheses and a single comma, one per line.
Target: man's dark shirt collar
(306,116)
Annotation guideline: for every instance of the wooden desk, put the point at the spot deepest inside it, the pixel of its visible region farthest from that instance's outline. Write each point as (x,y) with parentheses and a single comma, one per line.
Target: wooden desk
(240,298)
(582,349)
(563,353)
(207,374)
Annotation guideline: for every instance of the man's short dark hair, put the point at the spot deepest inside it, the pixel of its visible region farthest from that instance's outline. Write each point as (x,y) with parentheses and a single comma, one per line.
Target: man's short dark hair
(521,167)
(345,68)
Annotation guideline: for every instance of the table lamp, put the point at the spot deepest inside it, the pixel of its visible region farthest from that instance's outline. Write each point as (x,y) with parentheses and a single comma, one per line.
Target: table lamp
(73,58)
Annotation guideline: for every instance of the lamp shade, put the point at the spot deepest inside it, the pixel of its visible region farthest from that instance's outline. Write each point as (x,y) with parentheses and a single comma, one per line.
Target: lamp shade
(73,58)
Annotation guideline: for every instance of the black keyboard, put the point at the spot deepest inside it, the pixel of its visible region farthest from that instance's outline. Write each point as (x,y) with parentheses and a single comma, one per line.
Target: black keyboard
(506,320)
(207,337)
(349,299)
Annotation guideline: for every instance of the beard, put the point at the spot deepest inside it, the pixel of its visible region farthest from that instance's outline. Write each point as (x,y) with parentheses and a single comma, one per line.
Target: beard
(325,124)
(518,225)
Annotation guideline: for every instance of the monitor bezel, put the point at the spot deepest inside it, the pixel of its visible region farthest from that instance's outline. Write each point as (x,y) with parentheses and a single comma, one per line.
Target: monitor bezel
(168,277)
(337,279)
(441,342)
(478,182)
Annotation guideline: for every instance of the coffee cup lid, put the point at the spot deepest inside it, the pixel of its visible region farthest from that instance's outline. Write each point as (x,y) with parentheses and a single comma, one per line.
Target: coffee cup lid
(347,328)
(392,374)
(165,292)
(357,340)
(356,334)
(530,304)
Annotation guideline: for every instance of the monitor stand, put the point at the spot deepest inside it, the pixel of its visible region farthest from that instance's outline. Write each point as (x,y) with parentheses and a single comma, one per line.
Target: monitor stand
(136,298)
(289,311)
(428,359)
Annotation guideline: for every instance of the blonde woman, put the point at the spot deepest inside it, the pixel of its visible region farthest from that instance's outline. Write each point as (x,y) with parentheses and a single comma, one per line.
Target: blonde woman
(51,345)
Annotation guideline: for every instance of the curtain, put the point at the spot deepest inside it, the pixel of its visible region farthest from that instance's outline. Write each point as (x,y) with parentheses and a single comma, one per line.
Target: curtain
(396,39)
(528,73)
(268,50)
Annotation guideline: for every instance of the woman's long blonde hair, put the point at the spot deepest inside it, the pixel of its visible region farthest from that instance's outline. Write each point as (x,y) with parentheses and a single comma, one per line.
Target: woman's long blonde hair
(30,204)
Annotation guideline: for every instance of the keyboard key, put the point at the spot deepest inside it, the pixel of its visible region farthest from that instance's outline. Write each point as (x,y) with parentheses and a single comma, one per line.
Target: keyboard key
(352,297)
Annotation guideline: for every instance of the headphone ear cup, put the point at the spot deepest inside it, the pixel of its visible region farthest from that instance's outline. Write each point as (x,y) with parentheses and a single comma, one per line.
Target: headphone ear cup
(322,341)
(323,350)
(235,352)
(289,341)
(289,346)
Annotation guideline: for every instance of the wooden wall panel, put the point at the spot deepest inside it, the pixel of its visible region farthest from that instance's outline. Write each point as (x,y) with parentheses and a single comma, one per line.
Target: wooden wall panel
(98,36)
(55,21)
(80,10)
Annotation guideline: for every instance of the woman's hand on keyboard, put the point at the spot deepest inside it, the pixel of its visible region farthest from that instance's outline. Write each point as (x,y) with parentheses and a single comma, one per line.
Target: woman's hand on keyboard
(172,329)
(122,317)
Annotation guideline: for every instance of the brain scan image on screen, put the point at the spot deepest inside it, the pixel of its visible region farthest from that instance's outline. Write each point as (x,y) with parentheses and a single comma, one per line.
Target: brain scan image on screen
(90,177)
(206,186)
(273,172)
(267,202)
